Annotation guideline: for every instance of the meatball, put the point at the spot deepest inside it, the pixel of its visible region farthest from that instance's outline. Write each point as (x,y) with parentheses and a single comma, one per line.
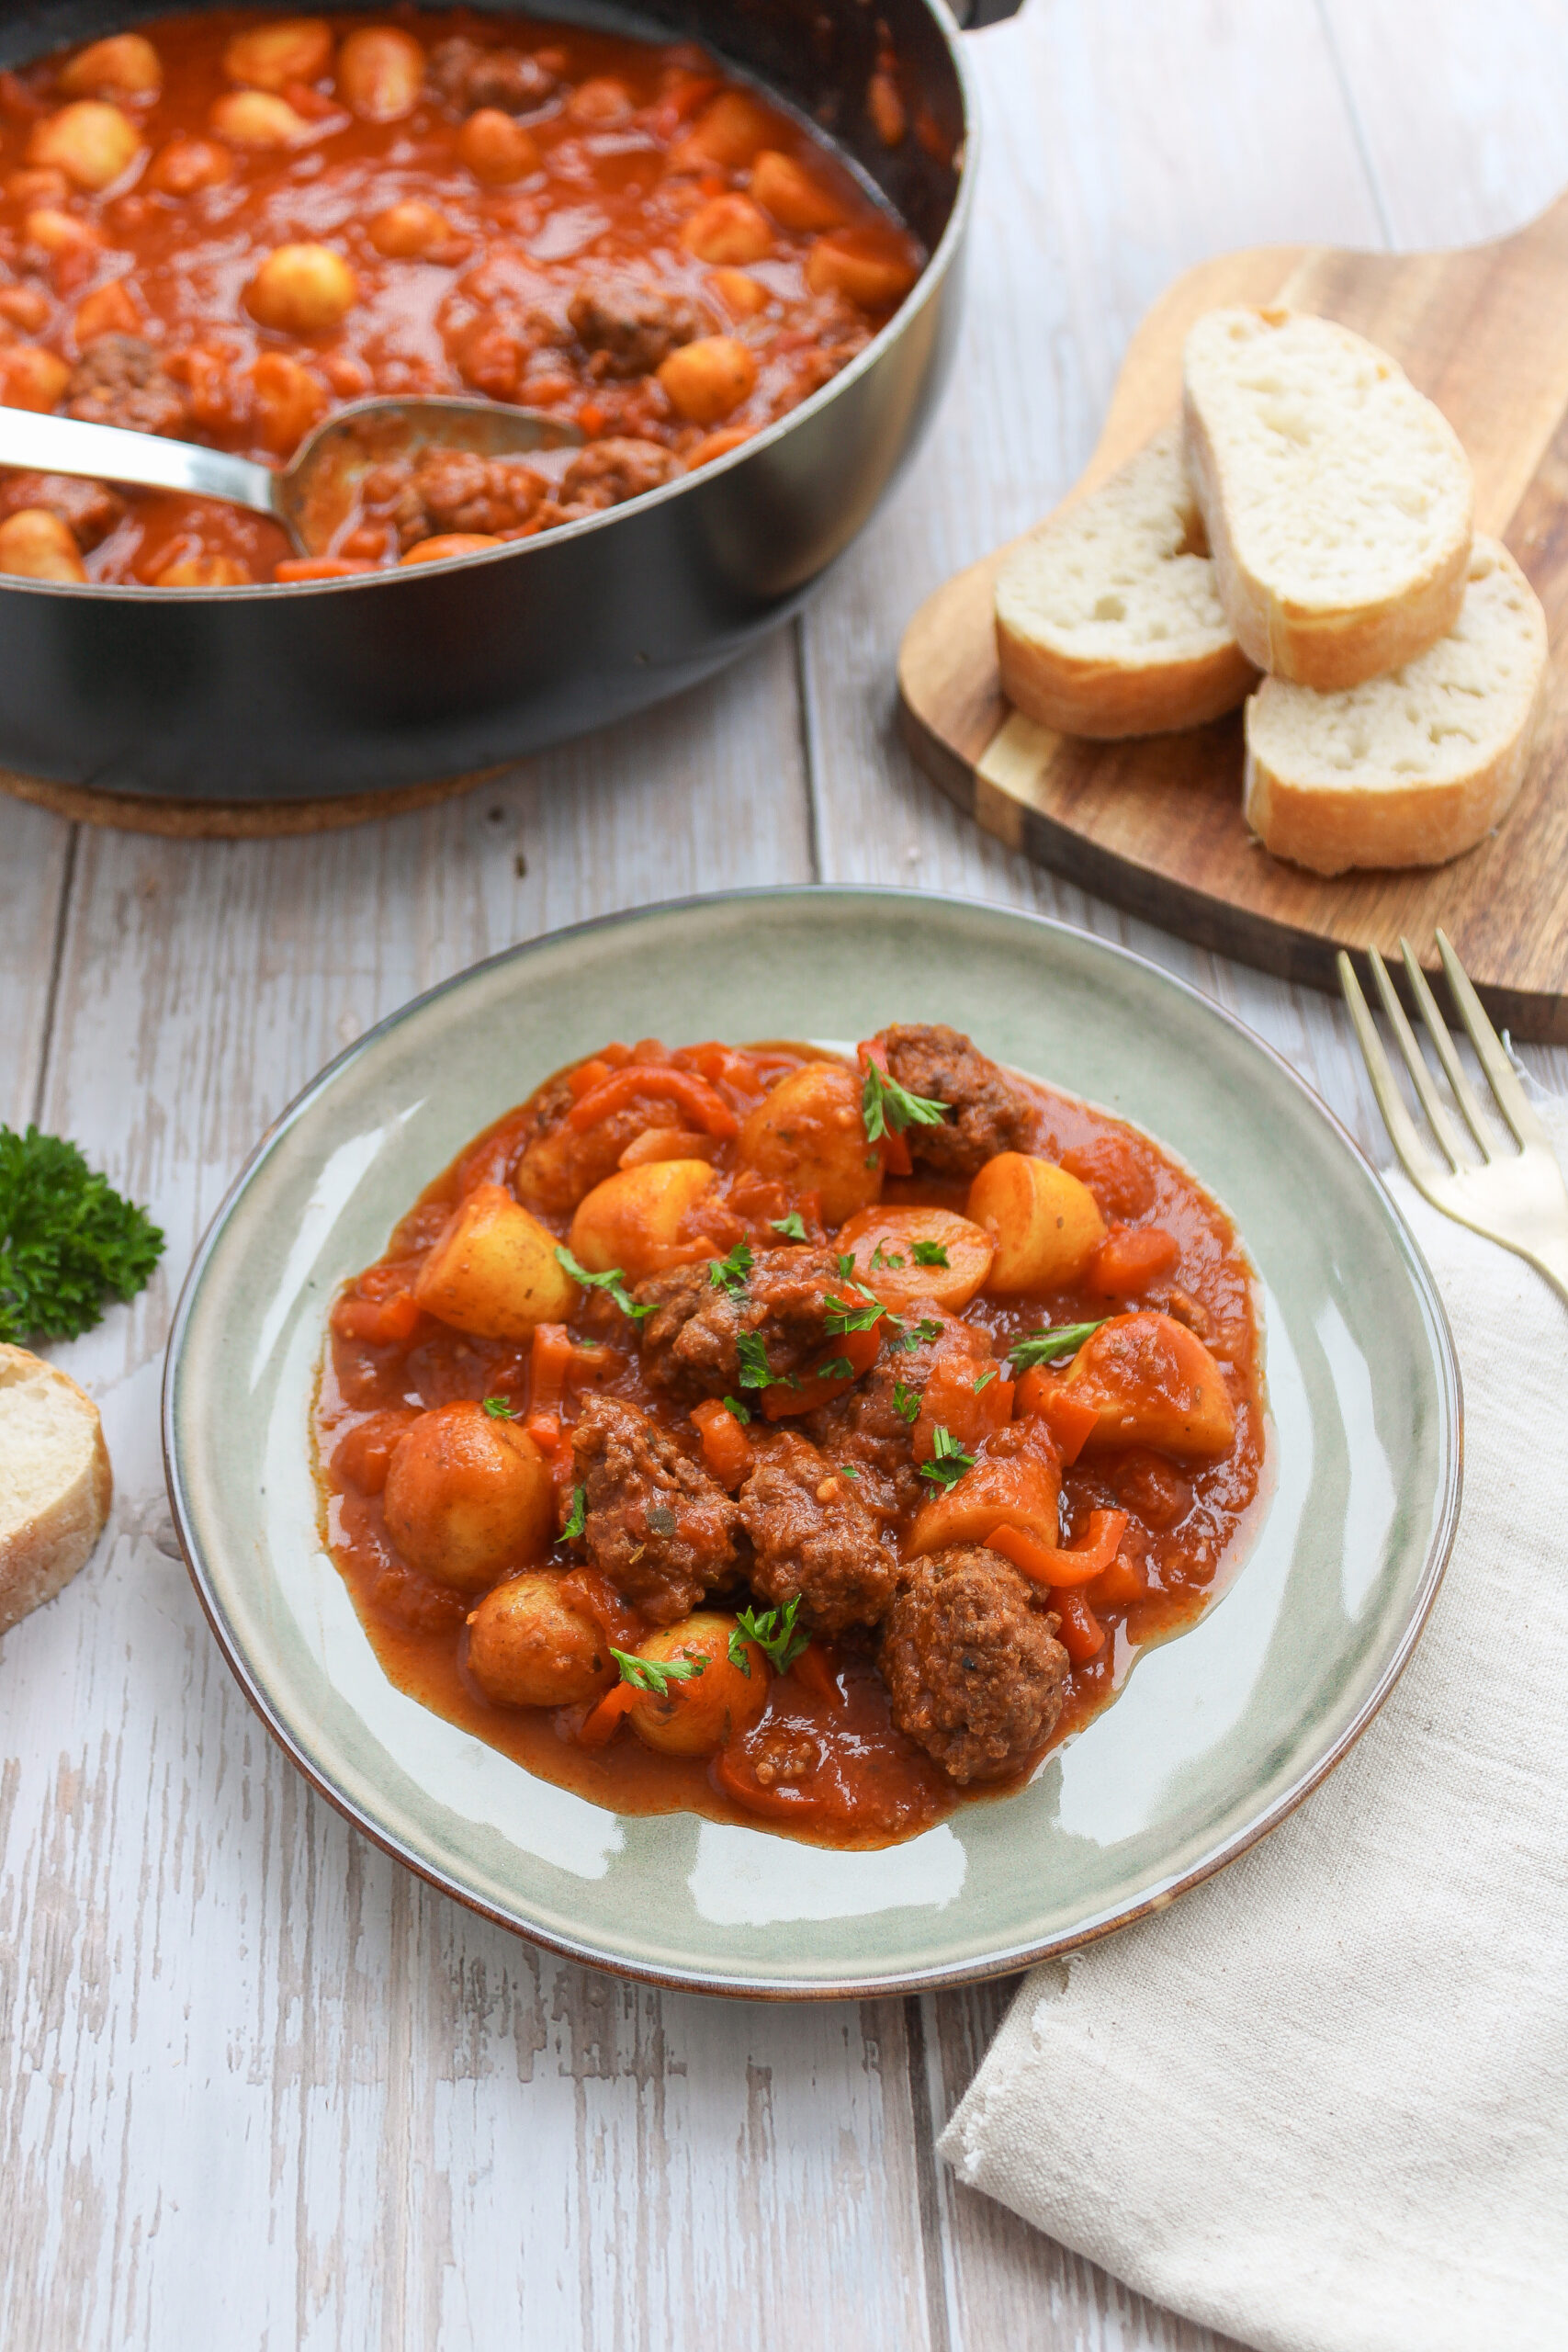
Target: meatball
(691,1341)
(452,490)
(465,75)
(865,1428)
(972,1664)
(119,379)
(656,1525)
(988,1115)
(90,510)
(815,1539)
(629,327)
(609,473)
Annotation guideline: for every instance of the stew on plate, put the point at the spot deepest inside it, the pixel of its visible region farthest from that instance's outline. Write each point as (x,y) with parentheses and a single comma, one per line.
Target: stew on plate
(790,1439)
(225,226)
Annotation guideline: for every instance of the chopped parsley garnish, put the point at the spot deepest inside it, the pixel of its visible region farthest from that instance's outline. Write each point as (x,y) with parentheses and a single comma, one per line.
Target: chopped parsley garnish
(884,1103)
(836,1368)
(985,1380)
(792,1226)
(739,1654)
(924,1329)
(1047,1346)
(847,1470)
(656,1674)
(906,1401)
(846,1265)
(842,1316)
(756,1372)
(948,1461)
(579,1519)
(929,1253)
(67,1240)
(611,1282)
(729,1274)
(774,1632)
(499,1409)
(882,1263)
(732,1405)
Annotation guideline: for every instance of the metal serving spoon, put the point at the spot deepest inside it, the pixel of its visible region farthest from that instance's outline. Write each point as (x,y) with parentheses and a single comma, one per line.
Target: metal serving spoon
(314,491)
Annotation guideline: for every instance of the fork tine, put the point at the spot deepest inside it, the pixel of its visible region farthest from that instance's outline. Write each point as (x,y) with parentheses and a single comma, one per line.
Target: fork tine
(1426,1094)
(1511,1098)
(1475,1118)
(1412,1154)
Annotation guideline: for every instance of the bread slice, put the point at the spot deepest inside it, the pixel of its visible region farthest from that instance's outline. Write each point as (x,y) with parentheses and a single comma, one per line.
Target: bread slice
(1413,768)
(1336,499)
(55,1485)
(1107,619)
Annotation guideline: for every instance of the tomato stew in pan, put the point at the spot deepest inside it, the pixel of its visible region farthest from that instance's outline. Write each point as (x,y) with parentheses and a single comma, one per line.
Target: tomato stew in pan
(224,226)
(751,1432)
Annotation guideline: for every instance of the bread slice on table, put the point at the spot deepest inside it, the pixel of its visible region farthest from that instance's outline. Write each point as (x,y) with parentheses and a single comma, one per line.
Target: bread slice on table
(1413,768)
(1337,499)
(55,1485)
(1108,622)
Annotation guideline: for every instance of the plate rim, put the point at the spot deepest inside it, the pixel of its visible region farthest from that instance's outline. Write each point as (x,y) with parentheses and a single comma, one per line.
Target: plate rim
(760,1985)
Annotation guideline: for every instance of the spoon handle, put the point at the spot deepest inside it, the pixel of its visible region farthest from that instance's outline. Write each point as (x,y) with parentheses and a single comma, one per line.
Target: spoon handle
(60,444)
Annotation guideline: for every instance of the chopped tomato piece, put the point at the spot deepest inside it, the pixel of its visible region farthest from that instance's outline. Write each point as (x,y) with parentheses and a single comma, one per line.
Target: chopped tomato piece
(726,1450)
(1131,1258)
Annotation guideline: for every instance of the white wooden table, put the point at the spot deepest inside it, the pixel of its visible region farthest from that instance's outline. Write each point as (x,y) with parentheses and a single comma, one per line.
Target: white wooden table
(258,2087)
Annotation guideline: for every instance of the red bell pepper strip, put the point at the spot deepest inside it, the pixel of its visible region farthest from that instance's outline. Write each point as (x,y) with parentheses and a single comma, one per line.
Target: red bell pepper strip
(1058,1565)
(695,1096)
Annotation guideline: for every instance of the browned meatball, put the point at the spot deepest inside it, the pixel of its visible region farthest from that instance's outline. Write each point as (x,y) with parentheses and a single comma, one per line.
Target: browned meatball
(119,379)
(988,1115)
(630,327)
(89,510)
(972,1666)
(609,473)
(815,1539)
(865,1428)
(452,490)
(691,1344)
(657,1524)
(466,75)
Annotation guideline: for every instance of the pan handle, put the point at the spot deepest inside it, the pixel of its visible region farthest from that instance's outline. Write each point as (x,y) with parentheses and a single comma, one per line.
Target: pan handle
(974,13)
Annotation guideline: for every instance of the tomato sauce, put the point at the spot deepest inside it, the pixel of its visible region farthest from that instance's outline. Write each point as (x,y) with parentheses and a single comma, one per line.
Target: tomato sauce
(825,1761)
(645,249)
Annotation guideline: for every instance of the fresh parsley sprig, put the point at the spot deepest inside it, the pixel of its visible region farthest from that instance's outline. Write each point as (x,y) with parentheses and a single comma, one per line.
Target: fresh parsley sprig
(906,1402)
(67,1240)
(612,1282)
(1049,1346)
(843,1316)
(776,1633)
(948,1461)
(929,1253)
(738,1411)
(578,1517)
(756,1372)
(498,1408)
(836,1368)
(656,1674)
(909,1338)
(729,1274)
(884,1103)
(792,1226)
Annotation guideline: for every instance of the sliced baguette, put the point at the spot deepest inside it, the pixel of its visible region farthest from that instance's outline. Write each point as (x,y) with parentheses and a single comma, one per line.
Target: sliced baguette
(1107,619)
(1413,768)
(55,1485)
(1337,499)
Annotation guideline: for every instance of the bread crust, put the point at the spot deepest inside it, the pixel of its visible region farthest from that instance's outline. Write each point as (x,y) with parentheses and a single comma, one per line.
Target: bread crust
(40,1553)
(1108,700)
(1326,646)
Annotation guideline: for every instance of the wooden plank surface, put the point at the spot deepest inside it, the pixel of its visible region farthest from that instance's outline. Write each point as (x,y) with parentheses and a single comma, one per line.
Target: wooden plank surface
(257,2086)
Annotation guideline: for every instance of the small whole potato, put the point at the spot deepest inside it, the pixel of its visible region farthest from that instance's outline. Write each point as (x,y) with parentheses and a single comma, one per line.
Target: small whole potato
(380,73)
(598,101)
(635,1219)
(872,266)
(203,571)
(496,149)
(704,1714)
(467,1498)
(807,1133)
(410,231)
(729,132)
(707,380)
(787,190)
(60,232)
(1153,1383)
(290,49)
(39,546)
(289,400)
(32,378)
(302,289)
(741,295)
(257,119)
(1047,1224)
(90,140)
(187,164)
(494,1271)
(727,229)
(23,307)
(107,310)
(908,1254)
(126,65)
(1016,1482)
(530,1647)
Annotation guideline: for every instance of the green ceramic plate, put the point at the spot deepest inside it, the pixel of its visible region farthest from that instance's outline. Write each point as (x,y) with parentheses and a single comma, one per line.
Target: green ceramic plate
(1216,1736)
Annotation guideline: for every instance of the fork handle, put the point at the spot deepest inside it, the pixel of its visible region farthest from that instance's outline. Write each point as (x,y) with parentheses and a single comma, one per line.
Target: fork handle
(1552,1259)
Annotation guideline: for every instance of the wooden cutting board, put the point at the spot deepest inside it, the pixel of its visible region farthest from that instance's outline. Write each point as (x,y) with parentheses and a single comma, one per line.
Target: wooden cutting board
(1156,824)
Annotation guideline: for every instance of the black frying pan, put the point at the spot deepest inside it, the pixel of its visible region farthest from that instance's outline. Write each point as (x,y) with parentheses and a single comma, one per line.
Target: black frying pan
(303,693)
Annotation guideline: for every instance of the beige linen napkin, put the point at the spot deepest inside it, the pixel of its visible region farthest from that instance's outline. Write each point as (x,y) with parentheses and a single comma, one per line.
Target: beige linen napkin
(1322,2102)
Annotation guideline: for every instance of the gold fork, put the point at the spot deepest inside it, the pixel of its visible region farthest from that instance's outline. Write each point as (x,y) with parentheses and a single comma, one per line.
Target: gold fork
(1516,1197)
